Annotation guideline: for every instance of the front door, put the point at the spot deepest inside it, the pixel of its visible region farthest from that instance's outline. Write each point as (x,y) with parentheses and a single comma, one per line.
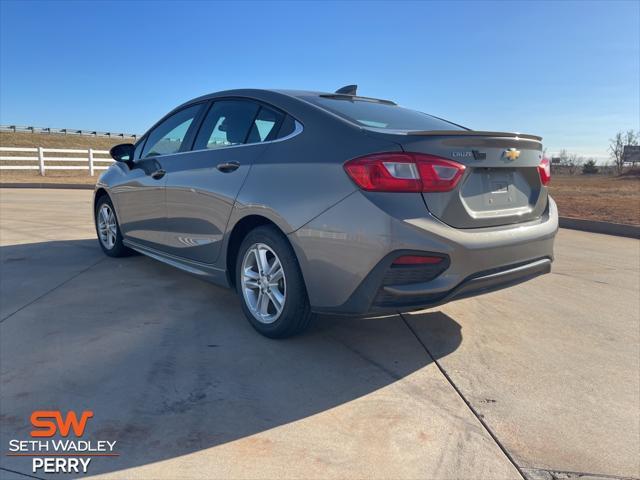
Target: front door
(140,197)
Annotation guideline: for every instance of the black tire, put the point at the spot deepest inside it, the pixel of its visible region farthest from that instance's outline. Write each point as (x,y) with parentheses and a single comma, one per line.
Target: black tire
(118,249)
(296,315)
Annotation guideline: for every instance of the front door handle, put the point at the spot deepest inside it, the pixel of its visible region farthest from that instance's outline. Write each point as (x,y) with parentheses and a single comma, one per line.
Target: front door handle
(158,174)
(227,167)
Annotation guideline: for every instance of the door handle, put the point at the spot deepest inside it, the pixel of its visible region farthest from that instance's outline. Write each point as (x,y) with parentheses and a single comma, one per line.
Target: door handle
(227,167)
(158,174)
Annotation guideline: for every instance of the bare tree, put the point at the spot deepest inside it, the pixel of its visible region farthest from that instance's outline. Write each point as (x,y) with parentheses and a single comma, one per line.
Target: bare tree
(570,162)
(563,158)
(574,162)
(563,154)
(616,147)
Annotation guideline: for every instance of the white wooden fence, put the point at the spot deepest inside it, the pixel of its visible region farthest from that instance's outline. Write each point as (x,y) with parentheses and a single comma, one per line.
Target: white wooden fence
(93,159)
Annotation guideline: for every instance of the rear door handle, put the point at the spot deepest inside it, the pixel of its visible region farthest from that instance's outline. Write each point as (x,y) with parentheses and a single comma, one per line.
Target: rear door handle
(158,174)
(227,167)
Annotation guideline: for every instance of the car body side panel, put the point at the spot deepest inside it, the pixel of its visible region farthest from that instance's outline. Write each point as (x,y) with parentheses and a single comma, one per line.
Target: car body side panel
(299,178)
(333,246)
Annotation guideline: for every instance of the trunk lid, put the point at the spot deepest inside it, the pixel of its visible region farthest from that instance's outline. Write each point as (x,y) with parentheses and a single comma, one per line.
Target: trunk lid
(501,184)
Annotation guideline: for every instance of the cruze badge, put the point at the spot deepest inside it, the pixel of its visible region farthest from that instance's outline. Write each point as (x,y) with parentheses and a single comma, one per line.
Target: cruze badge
(512,153)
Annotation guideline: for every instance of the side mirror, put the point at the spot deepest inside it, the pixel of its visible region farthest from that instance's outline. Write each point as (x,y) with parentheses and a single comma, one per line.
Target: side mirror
(123,152)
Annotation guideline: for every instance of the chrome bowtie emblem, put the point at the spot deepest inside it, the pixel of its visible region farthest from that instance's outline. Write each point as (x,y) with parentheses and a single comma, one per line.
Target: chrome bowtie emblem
(512,153)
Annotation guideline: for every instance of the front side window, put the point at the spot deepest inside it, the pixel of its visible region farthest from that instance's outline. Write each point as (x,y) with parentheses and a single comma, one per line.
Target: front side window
(167,138)
(138,151)
(227,123)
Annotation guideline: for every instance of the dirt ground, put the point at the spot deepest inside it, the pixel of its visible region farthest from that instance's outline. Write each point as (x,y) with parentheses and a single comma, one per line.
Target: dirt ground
(596,197)
(593,197)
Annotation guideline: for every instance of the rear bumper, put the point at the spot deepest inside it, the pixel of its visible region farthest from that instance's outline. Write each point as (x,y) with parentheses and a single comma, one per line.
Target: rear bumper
(418,296)
(345,255)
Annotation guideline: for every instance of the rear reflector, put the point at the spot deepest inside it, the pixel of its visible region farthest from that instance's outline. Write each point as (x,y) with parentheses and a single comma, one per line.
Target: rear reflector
(416,260)
(404,172)
(544,169)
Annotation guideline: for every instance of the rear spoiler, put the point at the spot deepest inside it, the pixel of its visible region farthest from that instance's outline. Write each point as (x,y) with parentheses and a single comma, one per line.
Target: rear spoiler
(473,133)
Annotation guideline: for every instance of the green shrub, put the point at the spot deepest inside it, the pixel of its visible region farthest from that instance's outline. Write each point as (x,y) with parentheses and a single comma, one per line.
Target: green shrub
(589,167)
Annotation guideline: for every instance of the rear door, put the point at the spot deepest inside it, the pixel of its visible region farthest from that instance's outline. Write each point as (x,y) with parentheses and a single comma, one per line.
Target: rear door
(202,184)
(501,184)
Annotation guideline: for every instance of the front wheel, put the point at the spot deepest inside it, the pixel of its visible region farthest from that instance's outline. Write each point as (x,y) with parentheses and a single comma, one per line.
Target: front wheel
(270,284)
(108,230)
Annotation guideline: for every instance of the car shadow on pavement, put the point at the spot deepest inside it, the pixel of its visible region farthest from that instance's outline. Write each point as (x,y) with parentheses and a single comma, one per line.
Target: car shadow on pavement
(169,365)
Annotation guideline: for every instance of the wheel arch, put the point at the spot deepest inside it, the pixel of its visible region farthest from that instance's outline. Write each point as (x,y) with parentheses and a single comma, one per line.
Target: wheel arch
(239,231)
(104,191)
(98,194)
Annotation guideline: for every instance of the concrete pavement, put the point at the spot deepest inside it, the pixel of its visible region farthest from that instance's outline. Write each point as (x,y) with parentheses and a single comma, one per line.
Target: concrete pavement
(544,374)
(553,367)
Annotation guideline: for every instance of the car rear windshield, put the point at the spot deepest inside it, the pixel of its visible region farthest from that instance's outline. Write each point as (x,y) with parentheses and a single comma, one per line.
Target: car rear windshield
(382,115)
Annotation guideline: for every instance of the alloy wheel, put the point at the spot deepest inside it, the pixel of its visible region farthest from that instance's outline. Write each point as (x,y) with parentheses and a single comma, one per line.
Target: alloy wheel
(264,285)
(107,228)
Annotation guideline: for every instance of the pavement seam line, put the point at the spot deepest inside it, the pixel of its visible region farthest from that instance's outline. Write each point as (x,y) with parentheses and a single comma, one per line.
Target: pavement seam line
(467,403)
(581,474)
(20,473)
(51,290)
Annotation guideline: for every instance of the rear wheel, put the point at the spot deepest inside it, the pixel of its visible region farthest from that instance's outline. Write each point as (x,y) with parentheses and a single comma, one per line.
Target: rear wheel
(108,230)
(270,284)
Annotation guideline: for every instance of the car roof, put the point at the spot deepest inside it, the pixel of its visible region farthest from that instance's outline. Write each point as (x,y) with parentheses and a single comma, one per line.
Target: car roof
(263,93)
(285,99)
(250,92)
(276,97)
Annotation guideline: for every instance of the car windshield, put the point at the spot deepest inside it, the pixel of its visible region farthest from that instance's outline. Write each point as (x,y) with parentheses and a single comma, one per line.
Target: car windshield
(381,115)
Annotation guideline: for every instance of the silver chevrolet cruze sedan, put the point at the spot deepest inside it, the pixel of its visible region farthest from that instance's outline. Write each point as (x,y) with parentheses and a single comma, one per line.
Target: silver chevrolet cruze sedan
(309,202)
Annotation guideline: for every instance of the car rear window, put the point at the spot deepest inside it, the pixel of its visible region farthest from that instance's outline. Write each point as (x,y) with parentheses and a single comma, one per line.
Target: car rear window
(381,115)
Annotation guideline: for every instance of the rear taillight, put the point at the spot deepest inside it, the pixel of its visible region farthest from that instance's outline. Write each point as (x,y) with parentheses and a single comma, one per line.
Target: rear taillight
(404,172)
(544,169)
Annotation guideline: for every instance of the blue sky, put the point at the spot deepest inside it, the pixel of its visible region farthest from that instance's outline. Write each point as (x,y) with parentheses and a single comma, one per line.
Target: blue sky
(569,71)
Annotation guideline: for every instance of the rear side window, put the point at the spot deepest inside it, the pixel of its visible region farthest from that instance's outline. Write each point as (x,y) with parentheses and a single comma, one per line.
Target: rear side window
(265,125)
(288,127)
(227,123)
(375,114)
(167,138)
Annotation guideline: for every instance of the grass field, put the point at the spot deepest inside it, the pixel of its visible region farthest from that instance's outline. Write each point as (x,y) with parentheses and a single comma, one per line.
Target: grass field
(595,197)
(9,139)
